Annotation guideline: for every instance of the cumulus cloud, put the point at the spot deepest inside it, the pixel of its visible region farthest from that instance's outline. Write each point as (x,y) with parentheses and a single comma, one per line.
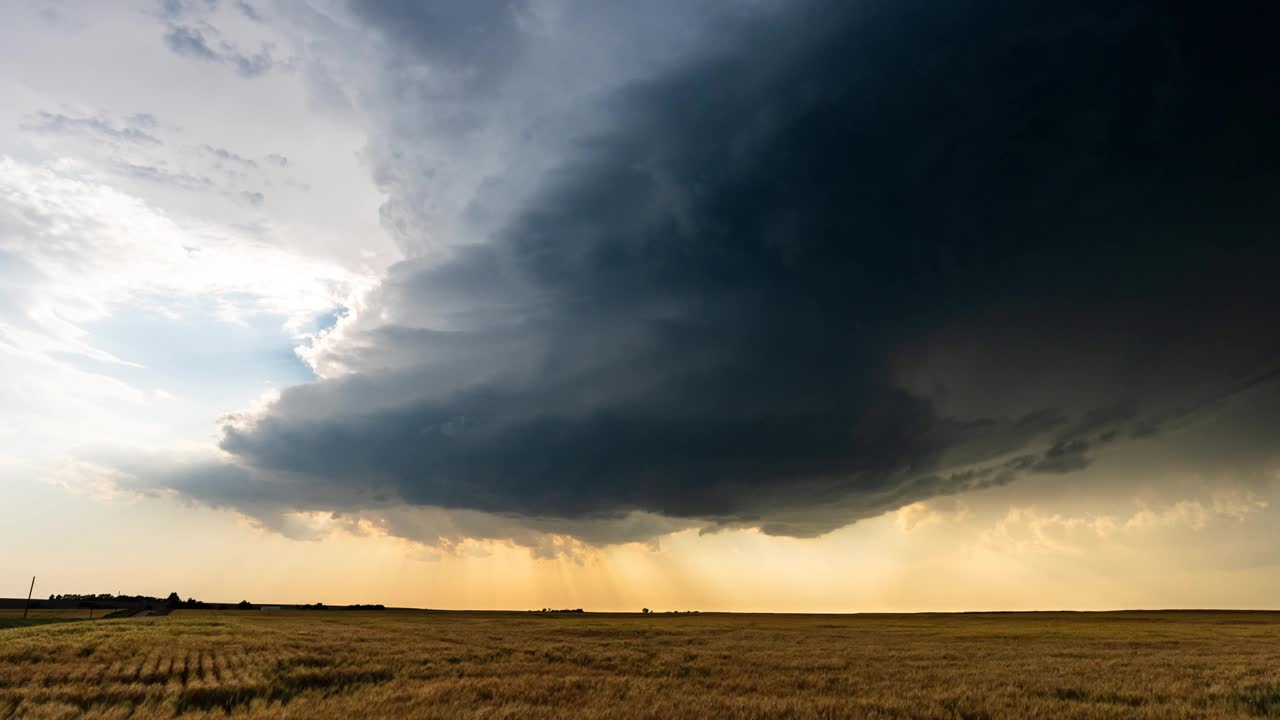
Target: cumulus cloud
(228,156)
(855,258)
(1185,525)
(164,176)
(249,11)
(59,123)
(191,42)
(143,120)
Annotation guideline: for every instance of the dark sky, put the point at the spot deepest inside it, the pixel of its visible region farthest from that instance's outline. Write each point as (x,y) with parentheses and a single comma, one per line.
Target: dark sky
(829,259)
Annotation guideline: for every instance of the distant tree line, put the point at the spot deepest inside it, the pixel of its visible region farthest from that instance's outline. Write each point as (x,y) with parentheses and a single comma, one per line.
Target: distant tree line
(322,606)
(99,596)
(97,600)
(647,611)
(175,602)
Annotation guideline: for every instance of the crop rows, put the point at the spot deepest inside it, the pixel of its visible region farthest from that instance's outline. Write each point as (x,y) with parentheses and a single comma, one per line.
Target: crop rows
(447,665)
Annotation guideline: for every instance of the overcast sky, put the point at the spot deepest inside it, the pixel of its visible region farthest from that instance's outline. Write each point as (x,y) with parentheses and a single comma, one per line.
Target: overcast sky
(726,304)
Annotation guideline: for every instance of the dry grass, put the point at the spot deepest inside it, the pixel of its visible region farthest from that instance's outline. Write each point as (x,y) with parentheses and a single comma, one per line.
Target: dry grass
(510,665)
(38,616)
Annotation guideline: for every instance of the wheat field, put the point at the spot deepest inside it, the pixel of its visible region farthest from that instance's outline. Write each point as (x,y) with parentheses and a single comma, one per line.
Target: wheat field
(395,664)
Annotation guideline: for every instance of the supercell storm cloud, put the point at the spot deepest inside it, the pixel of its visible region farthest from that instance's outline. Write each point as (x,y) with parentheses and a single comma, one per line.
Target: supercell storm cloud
(827,260)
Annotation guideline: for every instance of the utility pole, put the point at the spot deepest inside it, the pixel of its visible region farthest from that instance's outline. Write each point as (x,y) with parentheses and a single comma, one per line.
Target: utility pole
(28,605)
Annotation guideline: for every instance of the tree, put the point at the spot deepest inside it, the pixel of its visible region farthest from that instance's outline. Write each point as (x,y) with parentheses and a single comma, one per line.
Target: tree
(173,602)
(645,611)
(244,605)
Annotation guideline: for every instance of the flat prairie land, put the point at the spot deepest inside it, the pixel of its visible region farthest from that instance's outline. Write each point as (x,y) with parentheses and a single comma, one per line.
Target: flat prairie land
(14,619)
(422,664)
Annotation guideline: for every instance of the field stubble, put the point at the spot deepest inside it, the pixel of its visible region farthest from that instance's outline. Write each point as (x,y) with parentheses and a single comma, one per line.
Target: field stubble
(307,664)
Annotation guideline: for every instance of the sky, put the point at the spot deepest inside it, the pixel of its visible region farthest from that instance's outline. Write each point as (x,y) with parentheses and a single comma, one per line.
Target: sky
(752,305)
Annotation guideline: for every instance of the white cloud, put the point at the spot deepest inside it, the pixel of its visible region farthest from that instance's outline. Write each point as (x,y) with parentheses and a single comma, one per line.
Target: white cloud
(124,83)
(1030,530)
(96,481)
(75,252)
(48,402)
(930,512)
(94,247)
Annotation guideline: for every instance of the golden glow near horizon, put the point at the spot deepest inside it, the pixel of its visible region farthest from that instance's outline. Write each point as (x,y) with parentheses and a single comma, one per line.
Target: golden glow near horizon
(948,555)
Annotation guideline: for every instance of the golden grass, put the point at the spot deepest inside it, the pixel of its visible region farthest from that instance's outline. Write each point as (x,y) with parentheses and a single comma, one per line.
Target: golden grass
(310,664)
(39,616)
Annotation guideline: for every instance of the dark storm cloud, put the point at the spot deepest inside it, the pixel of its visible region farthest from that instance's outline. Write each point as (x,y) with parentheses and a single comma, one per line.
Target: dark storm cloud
(870,254)
(475,39)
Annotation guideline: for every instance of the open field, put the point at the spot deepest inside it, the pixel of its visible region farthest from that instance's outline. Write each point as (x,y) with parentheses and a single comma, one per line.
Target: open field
(308,664)
(13,618)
